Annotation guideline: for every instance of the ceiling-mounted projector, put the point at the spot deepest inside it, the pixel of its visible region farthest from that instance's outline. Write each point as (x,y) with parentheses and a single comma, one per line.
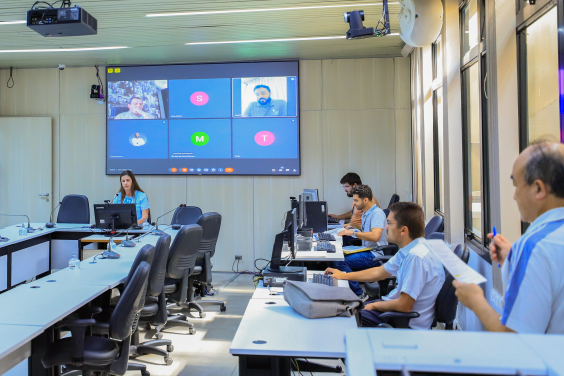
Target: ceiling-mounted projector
(420,21)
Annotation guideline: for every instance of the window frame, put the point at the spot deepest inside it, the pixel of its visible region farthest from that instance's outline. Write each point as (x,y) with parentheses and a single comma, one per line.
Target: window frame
(437,152)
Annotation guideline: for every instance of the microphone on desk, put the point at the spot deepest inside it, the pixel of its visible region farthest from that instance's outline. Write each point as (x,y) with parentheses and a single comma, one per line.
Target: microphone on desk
(176,226)
(51,224)
(156,231)
(127,242)
(29,228)
(107,202)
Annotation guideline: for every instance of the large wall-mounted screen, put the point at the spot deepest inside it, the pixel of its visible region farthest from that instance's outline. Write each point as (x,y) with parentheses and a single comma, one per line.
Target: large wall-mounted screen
(203,119)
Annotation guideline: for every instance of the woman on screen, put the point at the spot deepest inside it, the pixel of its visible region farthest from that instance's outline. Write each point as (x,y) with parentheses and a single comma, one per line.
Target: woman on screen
(131,193)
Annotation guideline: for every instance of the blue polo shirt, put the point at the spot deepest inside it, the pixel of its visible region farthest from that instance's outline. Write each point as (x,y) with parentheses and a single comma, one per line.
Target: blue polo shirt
(533,280)
(139,199)
(374,218)
(276,107)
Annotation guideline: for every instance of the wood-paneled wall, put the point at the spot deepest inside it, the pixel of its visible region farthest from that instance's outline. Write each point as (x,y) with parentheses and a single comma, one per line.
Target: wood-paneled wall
(355,116)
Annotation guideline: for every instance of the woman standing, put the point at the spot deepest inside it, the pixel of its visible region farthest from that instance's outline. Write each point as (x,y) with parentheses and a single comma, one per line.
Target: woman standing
(131,193)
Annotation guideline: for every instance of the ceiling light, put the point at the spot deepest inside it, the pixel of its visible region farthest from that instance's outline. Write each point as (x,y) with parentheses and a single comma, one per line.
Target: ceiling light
(12,22)
(65,49)
(259,10)
(267,40)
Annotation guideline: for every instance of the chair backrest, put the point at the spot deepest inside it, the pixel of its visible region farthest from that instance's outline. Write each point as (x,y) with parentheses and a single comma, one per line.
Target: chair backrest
(395,198)
(158,266)
(74,209)
(129,305)
(183,251)
(187,215)
(436,224)
(436,236)
(446,302)
(462,252)
(387,212)
(147,254)
(211,224)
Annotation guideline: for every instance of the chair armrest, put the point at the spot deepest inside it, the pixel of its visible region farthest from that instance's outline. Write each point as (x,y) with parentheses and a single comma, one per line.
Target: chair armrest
(78,332)
(388,250)
(383,259)
(87,312)
(399,319)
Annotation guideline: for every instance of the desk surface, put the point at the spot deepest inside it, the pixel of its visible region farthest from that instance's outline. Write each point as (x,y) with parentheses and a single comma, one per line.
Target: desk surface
(548,347)
(439,351)
(320,255)
(287,333)
(13,336)
(277,293)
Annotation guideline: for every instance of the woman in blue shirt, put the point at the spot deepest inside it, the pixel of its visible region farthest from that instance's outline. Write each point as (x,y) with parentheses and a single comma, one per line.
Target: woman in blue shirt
(131,193)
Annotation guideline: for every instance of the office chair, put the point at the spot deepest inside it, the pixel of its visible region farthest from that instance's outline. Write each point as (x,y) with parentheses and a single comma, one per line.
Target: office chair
(180,266)
(74,209)
(436,224)
(105,356)
(187,215)
(445,304)
(395,198)
(436,236)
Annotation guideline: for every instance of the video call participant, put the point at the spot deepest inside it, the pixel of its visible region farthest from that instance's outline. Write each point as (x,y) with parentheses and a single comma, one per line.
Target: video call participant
(131,193)
(135,110)
(137,140)
(372,234)
(531,268)
(420,274)
(265,105)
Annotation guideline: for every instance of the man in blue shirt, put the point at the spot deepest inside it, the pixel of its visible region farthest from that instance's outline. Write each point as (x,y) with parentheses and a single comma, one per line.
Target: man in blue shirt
(265,105)
(135,110)
(372,234)
(532,267)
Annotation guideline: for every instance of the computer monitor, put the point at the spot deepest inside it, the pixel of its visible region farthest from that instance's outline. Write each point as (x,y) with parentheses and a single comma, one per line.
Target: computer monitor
(276,261)
(114,217)
(311,194)
(302,215)
(291,230)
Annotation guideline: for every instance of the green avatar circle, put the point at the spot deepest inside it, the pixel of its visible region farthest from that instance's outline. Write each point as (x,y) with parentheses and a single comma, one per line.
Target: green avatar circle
(200,138)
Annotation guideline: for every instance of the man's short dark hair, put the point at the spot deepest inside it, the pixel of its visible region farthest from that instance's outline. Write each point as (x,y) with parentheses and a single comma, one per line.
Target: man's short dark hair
(132,98)
(411,215)
(259,86)
(362,191)
(351,179)
(547,165)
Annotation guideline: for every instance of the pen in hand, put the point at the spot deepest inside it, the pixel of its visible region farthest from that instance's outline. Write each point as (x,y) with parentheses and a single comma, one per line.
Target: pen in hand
(496,248)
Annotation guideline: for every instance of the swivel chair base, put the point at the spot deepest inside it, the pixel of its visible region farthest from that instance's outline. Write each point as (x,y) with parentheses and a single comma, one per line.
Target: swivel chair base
(197,306)
(181,320)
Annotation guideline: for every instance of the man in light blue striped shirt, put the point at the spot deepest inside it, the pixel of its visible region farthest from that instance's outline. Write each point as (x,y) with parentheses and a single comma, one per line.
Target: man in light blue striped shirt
(532,267)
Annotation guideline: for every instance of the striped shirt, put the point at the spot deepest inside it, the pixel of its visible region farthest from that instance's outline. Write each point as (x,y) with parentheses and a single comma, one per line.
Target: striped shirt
(533,280)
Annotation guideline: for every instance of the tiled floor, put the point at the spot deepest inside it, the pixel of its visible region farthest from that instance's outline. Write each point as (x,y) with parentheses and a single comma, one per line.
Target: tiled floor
(207,352)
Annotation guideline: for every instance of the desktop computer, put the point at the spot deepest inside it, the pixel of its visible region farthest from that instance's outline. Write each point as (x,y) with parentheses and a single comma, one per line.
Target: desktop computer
(114,217)
(277,273)
(311,194)
(316,215)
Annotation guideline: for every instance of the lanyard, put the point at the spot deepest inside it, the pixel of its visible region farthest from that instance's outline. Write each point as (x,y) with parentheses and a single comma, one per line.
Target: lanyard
(366,216)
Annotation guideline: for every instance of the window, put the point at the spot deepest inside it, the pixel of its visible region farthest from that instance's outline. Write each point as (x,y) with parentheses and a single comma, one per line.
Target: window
(538,65)
(438,160)
(475,123)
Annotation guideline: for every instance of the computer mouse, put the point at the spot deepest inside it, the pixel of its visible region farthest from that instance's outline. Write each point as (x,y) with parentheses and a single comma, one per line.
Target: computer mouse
(176,227)
(137,227)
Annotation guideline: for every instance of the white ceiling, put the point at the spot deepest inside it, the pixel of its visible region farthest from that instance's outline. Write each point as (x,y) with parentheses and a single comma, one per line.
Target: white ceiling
(156,40)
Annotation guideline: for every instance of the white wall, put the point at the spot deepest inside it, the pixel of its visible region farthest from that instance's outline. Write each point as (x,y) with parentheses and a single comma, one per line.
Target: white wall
(355,116)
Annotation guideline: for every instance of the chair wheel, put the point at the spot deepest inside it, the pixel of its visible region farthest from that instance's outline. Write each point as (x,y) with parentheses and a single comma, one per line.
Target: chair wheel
(192,331)
(222,308)
(148,326)
(145,373)
(202,315)
(339,369)
(168,361)
(159,335)
(170,348)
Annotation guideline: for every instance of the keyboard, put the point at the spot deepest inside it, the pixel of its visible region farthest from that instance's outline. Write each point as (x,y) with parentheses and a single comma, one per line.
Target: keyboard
(326,246)
(333,220)
(324,279)
(324,236)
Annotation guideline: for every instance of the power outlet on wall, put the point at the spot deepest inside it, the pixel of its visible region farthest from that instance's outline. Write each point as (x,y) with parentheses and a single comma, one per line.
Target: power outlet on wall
(238,257)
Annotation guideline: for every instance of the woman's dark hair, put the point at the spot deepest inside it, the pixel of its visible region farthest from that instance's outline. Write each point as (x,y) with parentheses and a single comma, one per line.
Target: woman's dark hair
(351,179)
(134,185)
(410,215)
(546,164)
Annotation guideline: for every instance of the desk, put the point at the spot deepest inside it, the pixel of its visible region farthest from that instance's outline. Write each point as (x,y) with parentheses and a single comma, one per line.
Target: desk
(320,255)
(15,344)
(276,293)
(369,350)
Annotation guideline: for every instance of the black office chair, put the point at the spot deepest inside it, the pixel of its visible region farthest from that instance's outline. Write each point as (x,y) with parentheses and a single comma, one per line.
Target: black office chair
(180,266)
(436,224)
(202,276)
(436,236)
(395,198)
(92,354)
(74,209)
(445,304)
(186,215)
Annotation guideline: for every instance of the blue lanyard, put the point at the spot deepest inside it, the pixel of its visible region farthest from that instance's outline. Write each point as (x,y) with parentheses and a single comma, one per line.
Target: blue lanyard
(366,216)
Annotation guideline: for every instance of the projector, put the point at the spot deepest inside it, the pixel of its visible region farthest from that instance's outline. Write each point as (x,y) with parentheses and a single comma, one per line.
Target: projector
(62,22)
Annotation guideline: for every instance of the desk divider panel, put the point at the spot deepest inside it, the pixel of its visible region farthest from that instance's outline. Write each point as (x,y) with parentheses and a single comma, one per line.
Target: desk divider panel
(3,273)
(30,262)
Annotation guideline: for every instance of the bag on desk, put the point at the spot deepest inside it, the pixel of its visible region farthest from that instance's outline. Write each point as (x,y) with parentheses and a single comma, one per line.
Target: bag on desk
(317,301)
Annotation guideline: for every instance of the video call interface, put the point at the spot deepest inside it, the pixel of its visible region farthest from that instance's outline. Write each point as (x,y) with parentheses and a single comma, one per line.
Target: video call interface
(204,119)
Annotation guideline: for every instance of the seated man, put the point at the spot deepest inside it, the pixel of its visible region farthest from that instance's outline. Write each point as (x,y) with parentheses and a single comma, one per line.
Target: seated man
(372,234)
(531,268)
(420,274)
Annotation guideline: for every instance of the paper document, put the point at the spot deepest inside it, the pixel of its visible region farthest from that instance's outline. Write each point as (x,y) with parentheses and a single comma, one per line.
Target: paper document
(350,249)
(335,231)
(455,266)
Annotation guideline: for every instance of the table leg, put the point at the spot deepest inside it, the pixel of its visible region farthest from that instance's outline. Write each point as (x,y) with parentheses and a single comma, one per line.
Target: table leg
(38,346)
(264,366)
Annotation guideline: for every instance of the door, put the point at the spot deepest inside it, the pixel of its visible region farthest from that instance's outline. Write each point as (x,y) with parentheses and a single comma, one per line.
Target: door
(26,156)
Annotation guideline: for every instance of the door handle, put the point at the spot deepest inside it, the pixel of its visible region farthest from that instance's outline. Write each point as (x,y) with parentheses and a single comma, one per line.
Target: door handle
(44,195)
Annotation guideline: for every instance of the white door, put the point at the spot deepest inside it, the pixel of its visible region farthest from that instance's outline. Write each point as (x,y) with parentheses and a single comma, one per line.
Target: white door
(26,156)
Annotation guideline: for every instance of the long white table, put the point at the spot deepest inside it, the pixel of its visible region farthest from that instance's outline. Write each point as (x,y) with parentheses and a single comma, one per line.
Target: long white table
(15,344)
(315,255)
